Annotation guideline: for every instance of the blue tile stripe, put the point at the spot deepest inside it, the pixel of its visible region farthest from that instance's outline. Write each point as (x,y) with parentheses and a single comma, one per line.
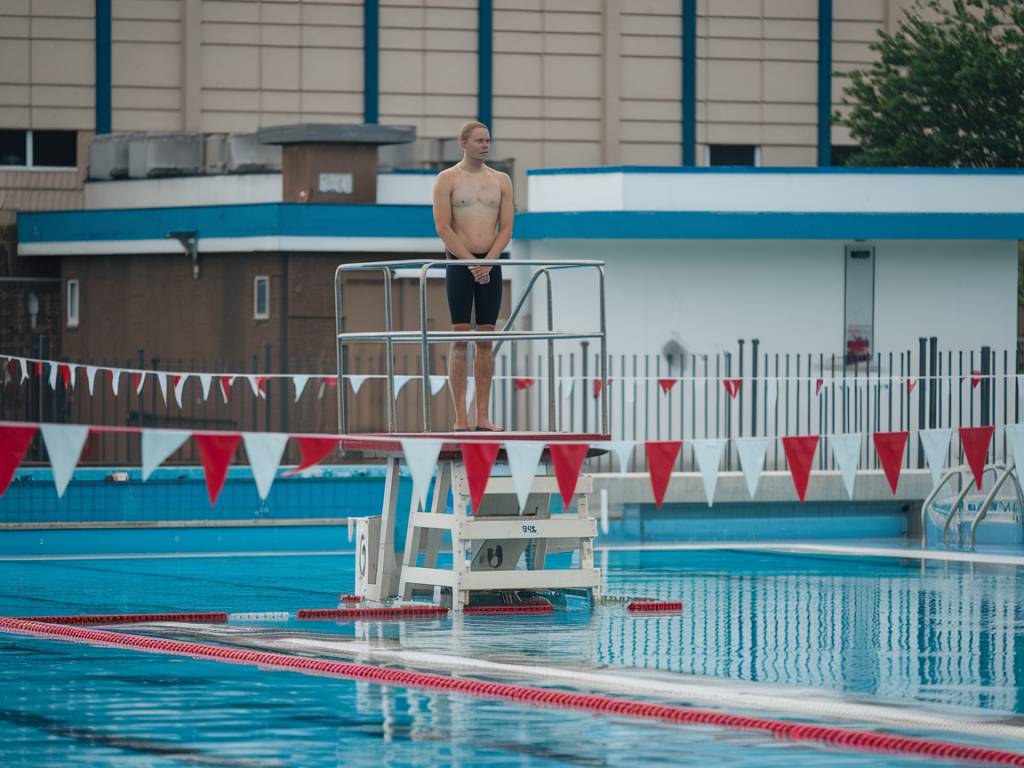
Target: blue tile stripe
(689,95)
(103,76)
(824,83)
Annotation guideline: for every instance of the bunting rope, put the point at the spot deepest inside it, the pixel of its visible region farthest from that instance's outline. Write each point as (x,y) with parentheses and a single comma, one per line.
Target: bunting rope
(64,444)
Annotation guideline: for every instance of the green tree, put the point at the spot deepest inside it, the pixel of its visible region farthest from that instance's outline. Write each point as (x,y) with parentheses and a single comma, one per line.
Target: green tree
(947,89)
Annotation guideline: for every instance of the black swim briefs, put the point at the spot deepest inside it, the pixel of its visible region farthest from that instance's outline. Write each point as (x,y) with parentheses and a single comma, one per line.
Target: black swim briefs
(464,293)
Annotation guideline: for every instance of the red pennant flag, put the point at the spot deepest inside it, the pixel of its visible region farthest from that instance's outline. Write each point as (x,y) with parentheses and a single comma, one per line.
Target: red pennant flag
(910,385)
(661,457)
(38,368)
(890,446)
(261,384)
(976,441)
(523,382)
(667,384)
(215,452)
(975,379)
(136,380)
(732,386)
(65,374)
(800,455)
(313,450)
(597,388)
(14,441)
(568,461)
(817,386)
(225,386)
(479,459)
(330,381)
(175,378)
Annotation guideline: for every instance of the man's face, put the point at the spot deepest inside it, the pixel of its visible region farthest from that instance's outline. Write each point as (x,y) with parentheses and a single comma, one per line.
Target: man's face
(478,144)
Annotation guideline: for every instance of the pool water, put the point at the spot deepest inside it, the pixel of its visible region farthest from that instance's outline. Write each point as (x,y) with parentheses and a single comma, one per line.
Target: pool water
(944,639)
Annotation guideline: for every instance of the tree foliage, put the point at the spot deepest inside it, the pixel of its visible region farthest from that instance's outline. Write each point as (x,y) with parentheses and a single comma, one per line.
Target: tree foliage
(947,89)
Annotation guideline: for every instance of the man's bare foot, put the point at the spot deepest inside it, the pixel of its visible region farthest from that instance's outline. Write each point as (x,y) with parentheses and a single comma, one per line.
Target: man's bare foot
(486,425)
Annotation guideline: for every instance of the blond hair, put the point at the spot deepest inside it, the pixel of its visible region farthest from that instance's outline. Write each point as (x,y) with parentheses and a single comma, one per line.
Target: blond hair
(468,129)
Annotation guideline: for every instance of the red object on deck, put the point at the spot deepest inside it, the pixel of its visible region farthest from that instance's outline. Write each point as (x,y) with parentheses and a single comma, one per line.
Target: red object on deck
(350,598)
(655,606)
(355,614)
(509,609)
(213,617)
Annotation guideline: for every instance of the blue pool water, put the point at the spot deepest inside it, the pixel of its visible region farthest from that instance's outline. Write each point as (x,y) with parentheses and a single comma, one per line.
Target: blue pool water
(946,639)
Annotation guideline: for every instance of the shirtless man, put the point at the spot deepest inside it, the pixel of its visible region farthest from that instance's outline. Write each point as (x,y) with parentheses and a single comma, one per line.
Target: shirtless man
(473,216)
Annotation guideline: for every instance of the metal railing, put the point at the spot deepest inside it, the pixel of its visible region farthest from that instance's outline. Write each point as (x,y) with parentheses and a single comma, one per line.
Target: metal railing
(425,337)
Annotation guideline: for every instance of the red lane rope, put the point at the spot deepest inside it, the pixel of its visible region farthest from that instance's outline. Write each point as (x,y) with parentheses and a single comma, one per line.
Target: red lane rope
(398,612)
(350,598)
(508,609)
(212,617)
(655,606)
(520,694)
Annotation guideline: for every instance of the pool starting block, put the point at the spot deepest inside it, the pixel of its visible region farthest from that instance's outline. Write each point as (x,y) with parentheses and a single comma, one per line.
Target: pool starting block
(497,549)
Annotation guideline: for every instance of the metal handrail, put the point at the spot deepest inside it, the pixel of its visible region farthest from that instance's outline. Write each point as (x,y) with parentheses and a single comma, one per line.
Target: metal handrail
(1010,472)
(929,499)
(959,501)
(425,337)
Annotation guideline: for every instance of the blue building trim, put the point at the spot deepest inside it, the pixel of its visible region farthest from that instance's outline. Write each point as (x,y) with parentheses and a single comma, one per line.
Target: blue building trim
(104,108)
(485,62)
(776,170)
(689,82)
(703,225)
(257,220)
(371,61)
(824,82)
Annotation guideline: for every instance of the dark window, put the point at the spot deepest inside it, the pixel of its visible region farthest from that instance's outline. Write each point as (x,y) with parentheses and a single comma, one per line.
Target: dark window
(732,154)
(841,154)
(13,147)
(54,149)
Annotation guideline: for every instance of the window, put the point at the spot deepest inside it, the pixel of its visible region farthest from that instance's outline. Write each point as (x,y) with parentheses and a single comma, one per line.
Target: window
(38,149)
(72,303)
(733,154)
(842,153)
(261,298)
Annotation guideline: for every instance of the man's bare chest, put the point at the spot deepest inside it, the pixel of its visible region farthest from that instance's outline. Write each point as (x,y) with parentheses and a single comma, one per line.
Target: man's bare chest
(467,194)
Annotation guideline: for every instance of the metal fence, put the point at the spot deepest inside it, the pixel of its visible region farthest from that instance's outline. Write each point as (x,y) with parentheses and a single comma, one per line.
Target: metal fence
(650,397)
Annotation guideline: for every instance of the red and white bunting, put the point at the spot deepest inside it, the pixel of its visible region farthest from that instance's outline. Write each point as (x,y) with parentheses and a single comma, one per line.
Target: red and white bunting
(158,445)
(709,456)
(23,364)
(566,386)
(14,441)
(1015,436)
(401,381)
(567,461)
(817,386)
(161,380)
(523,382)
(138,381)
(846,450)
(976,441)
(523,460)
(90,377)
(667,384)
(478,459)
(264,450)
(890,447)
(313,450)
(771,393)
(622,449)
(115,380)
(54,369)
(67,373)
(935,443)
(800,455)
(253,384)
(299,382)
(661,457)
(911,383)
(215,452)
(732,386)
(752,452)
(421,457)
(179,387)
(205,382)
(225,385)
(356,382)
(64,443)
(437,384)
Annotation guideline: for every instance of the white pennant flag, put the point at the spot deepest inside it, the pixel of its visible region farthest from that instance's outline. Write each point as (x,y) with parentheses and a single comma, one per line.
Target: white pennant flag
(71,375)
(251,378)
(141,384)
(622,449)
(771,393)
(566,386)
(356,380)
(437,384)
(158,445)
(1015,436)
(629,389)
(24,369)
(300,384)
(179,388)
(205,380)
(523,459)
(264,450)
(709,455)
(846,450)
(401,381)
(64,443)
(115,379)
(161,379)
(53,375)
(470,392)
(935,443)
(752,451)
(421,456)
(90,376)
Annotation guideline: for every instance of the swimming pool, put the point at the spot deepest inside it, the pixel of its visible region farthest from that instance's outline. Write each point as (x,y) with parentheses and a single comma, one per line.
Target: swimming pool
(864,642)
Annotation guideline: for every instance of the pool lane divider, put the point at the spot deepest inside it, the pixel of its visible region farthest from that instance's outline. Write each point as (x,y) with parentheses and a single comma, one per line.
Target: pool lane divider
(521,694)
(655,606)
(210,617)
(356,614)
(508,610)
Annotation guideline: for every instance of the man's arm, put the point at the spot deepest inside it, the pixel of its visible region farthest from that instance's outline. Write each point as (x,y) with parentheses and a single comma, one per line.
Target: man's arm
(443,218)
(505,215)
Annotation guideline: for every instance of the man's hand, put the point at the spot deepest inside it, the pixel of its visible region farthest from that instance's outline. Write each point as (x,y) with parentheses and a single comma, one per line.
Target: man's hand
(481,274)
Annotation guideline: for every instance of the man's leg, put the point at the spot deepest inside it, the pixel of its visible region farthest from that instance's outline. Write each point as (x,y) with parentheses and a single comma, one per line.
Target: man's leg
(457,378)
(483,371)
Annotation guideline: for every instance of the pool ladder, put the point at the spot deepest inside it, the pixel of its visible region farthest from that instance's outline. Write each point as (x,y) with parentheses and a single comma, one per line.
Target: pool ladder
(965,478)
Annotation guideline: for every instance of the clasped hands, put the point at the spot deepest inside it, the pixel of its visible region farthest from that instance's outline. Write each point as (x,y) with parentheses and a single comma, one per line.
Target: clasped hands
(481,275)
